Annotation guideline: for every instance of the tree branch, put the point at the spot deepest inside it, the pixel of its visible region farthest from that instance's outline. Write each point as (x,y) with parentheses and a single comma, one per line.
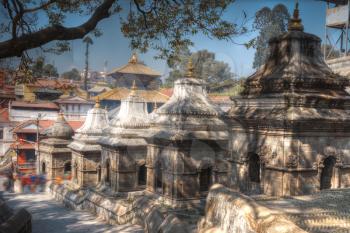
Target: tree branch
(15,46)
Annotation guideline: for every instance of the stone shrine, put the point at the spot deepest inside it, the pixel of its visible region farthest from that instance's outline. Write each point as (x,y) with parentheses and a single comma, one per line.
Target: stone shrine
(123,147)
(86,153)
(55,157)
(291,124)
(186,145)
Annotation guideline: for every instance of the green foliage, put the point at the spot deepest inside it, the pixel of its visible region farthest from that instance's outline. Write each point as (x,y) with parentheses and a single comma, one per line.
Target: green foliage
(269,23)
(41,69)
(205,67)
(73,74)
(165,26)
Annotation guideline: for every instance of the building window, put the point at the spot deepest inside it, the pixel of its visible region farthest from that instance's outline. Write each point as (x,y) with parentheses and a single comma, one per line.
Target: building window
(1,133)
(30,137)
(205,179)
(142,176)
(30,155)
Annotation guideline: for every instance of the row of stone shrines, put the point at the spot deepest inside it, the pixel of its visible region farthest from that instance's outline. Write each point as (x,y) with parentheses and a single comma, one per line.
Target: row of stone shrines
(288,133)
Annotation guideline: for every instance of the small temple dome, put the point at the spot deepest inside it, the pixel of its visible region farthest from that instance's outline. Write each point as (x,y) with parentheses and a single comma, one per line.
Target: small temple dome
(60,129)
(87,135)
(133,112)
(127,128)
(189,112)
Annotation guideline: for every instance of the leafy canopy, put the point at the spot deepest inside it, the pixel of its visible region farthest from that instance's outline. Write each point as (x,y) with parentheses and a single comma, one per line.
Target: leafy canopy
(269,23)
(205,67)
(162,25)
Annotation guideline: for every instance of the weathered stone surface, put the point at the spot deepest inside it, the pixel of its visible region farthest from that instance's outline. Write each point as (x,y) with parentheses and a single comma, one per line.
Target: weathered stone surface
(187,146)
(290,126)
(230,212)
(172,224)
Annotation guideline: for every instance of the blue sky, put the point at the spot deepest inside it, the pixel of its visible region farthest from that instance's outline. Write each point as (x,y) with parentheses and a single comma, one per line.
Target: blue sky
(114,48)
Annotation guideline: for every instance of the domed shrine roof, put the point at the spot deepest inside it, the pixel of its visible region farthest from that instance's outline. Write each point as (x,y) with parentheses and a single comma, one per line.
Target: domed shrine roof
(60,129)
(87,135)
(189,112)
(294,87)
(127,127)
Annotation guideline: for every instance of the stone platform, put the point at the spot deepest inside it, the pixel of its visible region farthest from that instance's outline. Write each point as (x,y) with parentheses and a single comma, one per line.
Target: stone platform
(324,212)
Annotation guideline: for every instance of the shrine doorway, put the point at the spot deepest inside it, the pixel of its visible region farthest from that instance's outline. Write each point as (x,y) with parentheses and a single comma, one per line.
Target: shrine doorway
(254,168)
(99,174)
(159,178)
(142,175)
(67,168)
(205,177)
(108,172)
(327,173)
(43,168)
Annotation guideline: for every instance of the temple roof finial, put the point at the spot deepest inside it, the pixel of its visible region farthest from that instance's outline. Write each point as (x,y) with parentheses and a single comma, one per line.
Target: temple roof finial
(295,22)
(133,59)
(190,69)
(133,88)
(61,116)
(97,102)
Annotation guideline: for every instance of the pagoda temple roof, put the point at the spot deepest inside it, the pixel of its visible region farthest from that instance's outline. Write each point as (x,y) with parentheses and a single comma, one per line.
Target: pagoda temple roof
(123,93)
(134,67)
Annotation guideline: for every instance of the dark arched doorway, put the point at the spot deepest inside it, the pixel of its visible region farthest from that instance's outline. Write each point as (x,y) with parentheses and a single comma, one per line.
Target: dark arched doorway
(142,175)
(205,179)
(67,168)
(99,174)
(159,177)
(327,173)
(108,172)
(43,168)
(254,168)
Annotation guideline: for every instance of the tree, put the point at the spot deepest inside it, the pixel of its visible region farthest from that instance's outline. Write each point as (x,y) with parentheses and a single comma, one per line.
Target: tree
(71,75)
(40,69)
(205,67)
(270,23)
(88,41)
(147,23)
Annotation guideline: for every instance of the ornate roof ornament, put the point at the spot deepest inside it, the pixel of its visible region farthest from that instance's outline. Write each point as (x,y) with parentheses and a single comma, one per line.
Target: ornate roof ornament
(190,69)
(133,59)
(295,23)
(97,102)
(133,88)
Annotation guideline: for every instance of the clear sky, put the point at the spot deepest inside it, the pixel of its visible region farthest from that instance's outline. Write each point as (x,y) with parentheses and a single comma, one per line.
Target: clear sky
(114,48)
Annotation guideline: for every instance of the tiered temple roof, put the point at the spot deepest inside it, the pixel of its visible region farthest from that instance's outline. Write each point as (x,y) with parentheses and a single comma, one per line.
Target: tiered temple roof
(87,135)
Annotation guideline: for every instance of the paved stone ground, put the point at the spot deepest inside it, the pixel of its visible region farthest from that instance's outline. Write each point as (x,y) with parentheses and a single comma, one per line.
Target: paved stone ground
(51,216)
(324,212)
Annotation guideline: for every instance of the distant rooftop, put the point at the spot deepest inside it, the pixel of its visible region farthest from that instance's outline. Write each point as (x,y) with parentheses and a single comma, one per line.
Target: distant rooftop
(37,104)
(134,67)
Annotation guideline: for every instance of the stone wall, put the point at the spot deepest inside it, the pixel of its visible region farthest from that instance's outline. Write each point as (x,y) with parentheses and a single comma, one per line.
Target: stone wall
(340,65)
(230,212)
